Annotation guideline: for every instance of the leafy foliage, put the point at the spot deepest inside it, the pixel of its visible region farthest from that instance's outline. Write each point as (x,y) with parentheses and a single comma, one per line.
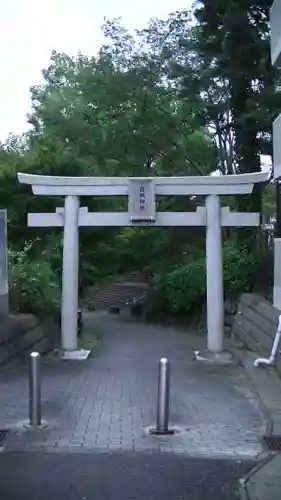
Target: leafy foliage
(34,285)
(178,290)
(238,267)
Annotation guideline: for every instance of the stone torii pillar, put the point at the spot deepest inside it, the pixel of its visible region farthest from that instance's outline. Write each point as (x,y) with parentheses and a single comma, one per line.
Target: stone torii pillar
(70,282)
(142,212)
(214,270)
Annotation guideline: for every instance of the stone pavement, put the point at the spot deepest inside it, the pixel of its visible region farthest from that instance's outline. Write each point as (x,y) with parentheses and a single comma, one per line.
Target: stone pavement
(109,401)
(264,481)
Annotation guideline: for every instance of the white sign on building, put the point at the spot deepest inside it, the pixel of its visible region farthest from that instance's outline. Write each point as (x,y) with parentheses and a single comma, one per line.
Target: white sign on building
(275,24)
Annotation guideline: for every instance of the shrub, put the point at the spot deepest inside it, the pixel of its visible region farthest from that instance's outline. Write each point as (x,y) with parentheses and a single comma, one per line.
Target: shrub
(34,285)
(182,287)
(88,275)
(238,268)
(177,290)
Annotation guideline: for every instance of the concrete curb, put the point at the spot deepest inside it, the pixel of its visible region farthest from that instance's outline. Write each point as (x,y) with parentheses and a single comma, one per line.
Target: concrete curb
(263,408)
(243,490)
(265,457)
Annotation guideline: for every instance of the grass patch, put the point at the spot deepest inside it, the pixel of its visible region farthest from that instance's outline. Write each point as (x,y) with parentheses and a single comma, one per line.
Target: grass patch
(89,339)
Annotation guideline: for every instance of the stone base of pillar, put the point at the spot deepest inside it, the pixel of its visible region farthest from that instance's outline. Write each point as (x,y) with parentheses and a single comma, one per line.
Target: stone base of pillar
(216,358)
(77,355)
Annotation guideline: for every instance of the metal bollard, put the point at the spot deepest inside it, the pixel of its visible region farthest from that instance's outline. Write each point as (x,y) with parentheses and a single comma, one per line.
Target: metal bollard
(163,398)
(35,388)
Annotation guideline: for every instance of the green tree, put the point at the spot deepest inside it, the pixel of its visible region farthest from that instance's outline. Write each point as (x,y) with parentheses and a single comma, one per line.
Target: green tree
(235,36)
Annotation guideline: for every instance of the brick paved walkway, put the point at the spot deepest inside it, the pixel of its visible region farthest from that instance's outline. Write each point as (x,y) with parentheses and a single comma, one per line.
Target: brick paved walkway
(109,401)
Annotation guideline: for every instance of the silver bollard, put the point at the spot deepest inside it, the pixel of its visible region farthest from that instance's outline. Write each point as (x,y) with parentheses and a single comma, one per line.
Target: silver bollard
(35,389)
(163,398)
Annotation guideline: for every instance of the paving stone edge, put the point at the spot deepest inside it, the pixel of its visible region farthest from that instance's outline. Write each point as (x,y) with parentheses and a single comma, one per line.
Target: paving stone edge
(265,457)
(243,481)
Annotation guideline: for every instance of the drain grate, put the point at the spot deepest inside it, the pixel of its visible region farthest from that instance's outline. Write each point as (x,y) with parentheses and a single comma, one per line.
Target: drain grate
(272,443)
(3,436)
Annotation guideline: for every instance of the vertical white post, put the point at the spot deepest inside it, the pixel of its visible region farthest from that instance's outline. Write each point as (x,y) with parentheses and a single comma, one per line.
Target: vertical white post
(70,273)
(277,274)
(215,298)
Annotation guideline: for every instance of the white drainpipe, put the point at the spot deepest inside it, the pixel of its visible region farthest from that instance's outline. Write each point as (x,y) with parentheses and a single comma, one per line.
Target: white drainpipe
(271,359)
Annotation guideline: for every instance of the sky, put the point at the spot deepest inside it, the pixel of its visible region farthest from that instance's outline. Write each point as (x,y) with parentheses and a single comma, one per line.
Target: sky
(30,30)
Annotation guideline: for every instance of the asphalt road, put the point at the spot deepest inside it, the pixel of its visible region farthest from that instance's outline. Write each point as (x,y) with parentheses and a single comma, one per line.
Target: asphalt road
(116,476)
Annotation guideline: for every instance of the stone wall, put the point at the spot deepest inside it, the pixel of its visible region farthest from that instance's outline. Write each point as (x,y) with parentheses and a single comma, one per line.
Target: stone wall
(255,324)
(21,333)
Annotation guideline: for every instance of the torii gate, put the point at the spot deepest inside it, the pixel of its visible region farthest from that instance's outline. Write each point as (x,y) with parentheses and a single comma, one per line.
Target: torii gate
(142,212)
